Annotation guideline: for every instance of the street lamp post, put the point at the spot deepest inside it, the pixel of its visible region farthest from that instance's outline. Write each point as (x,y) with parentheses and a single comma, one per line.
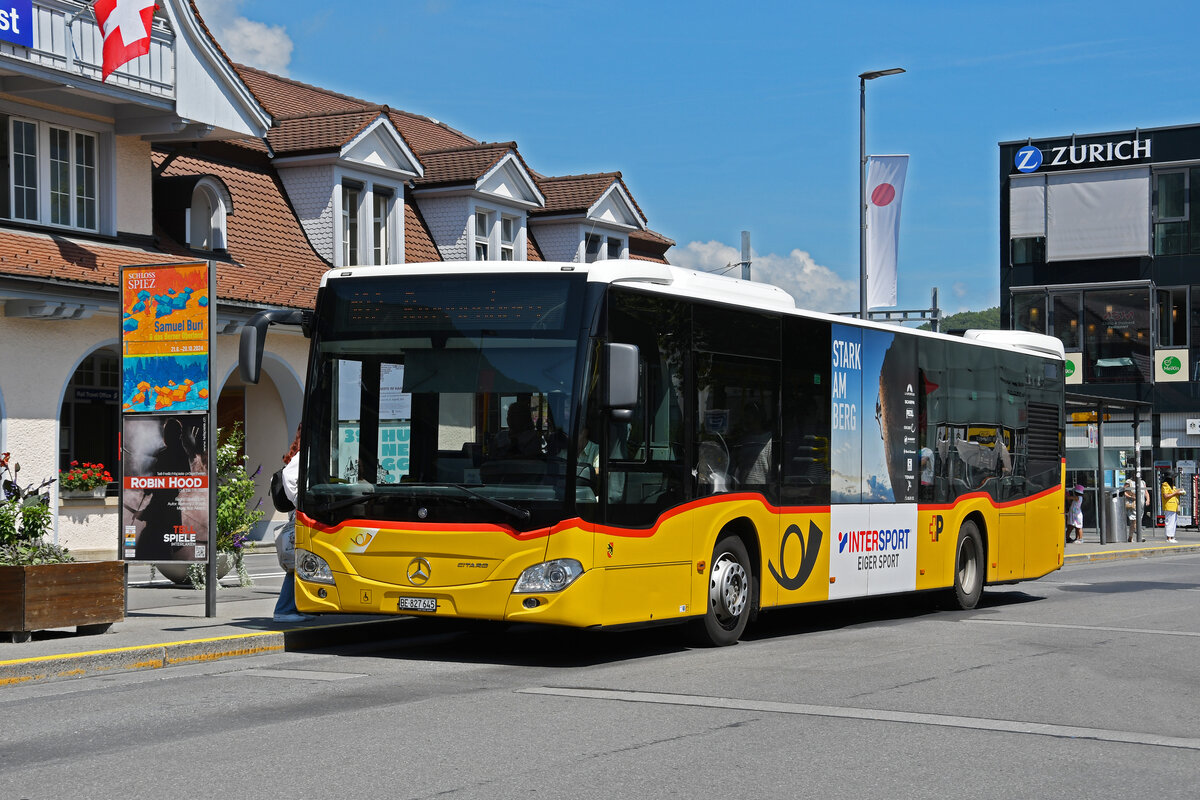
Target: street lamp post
(862,182)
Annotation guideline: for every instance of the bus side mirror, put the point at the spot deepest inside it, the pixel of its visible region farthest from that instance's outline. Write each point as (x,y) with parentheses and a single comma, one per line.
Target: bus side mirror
(622,384)
(254,334)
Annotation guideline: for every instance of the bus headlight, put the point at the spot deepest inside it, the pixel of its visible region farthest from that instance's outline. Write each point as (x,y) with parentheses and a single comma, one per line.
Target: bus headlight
(549,576)
(312,568)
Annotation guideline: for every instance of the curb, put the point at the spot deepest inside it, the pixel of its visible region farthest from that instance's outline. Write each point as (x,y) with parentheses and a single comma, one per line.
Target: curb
(1137,552)
(25,671)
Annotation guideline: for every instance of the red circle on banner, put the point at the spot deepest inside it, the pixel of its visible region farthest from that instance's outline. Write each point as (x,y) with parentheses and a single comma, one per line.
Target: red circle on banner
(884,193)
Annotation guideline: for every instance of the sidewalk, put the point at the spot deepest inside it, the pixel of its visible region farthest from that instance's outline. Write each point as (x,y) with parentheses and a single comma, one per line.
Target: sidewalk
(179,633)
(1155,544)
(165,635)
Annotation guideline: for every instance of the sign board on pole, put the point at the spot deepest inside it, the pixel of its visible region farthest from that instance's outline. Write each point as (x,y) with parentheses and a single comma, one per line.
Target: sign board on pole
(166,446)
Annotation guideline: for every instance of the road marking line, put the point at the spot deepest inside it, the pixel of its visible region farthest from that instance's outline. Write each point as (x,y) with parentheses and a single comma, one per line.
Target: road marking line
(1103,628)
(874,715)
(295,674)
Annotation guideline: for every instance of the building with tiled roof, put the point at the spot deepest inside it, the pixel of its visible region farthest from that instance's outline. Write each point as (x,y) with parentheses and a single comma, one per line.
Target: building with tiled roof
(185,157)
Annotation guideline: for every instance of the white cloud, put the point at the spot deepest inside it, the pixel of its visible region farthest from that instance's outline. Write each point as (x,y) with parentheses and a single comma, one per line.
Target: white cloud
(814,286)
(267,47)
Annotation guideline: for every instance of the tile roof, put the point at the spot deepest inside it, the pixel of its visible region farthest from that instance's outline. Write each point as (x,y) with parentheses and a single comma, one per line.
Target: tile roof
(325,132)
(462,164)
(272,259)
(418,241)
(284,97)
(424,134)
(288,99)
(50,255)
(567,194)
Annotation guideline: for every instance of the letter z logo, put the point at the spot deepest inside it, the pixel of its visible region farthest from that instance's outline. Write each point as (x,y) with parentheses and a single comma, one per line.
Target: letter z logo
(808,556)
(1028,159)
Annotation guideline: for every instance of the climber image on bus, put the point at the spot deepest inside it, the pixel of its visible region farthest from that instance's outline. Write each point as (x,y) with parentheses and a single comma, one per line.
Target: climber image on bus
(625,443)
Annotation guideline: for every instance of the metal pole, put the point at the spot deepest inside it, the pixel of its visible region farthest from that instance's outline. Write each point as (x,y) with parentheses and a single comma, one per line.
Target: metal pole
(745,255)
(862,197)
(1101,489)
(210,577)
(1139,507)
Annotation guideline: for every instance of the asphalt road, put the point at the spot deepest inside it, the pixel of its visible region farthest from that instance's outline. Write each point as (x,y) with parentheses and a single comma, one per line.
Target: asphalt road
(1083,684)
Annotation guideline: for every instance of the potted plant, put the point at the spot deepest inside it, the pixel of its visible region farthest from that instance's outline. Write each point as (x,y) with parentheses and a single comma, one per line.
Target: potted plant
(235,517)
(41,584)
(84,480)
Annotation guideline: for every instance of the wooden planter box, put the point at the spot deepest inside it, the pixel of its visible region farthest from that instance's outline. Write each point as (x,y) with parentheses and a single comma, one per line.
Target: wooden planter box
(89,595)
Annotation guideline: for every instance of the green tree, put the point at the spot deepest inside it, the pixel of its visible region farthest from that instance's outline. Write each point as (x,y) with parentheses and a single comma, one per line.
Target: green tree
(988,319)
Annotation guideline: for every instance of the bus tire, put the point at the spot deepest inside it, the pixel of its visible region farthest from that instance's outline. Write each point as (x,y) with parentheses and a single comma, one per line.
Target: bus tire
(969,569)
(730,595)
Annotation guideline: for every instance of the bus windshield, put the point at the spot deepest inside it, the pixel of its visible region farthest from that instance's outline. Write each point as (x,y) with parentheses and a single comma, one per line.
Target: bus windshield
(445,399)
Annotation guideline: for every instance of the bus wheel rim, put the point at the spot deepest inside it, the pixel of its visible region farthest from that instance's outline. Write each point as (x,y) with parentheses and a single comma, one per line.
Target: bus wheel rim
(967,568)
(728,589)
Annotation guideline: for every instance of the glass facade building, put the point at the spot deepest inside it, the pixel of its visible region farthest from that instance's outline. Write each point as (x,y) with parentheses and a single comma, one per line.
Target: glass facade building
(1099,249)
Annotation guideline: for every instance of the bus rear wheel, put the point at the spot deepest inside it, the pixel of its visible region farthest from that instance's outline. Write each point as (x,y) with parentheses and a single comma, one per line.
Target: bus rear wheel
(969,568)
(730,596)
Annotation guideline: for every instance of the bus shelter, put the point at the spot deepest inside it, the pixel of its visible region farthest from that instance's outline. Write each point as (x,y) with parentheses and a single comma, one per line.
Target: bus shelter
(1081,408)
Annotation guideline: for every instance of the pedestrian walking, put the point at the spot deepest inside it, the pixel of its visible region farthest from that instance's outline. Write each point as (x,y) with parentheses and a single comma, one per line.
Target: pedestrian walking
(285,606)
(1131,494)
(1170,504)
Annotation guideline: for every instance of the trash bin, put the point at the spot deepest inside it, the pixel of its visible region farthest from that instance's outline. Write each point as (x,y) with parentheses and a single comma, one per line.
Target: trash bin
(1114,522)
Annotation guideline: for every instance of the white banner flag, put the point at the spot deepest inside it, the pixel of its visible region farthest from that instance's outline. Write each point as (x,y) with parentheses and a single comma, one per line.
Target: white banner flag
(885,187)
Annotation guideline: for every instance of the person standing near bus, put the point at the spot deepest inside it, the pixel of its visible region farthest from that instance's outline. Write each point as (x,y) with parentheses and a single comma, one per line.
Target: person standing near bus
(1075,514)
(1170,504)
(285,605)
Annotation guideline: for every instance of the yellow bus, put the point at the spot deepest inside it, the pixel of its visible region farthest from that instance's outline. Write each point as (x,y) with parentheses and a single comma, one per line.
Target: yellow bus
(626,443)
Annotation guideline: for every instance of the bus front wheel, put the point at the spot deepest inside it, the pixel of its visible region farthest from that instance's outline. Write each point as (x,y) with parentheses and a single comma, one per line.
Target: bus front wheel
(730,595)
(969,568)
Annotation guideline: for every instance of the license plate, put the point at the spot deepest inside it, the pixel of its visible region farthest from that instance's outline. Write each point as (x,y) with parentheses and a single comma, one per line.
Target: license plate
(418,604)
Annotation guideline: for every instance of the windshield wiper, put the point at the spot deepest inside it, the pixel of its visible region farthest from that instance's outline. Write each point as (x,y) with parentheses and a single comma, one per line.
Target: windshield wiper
(519,513)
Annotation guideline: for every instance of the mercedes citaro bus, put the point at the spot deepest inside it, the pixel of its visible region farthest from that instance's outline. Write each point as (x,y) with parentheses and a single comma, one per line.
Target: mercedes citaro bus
(627,443)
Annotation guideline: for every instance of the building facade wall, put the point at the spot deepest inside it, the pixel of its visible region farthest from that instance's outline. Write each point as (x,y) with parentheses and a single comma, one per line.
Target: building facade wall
(133,186)
(447,218)
(559,242)
(310,190)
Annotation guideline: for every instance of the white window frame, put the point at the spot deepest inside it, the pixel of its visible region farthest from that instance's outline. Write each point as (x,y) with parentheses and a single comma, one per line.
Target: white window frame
(481,240)
(508,238)
(381,224)
(351,194)
(208,191)
(42,187)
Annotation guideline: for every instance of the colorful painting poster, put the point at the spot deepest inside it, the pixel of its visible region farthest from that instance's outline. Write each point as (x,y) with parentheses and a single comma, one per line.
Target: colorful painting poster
(165,324)
(165,502)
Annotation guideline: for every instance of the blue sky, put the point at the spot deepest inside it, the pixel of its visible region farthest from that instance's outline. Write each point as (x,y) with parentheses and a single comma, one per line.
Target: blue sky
(726,117)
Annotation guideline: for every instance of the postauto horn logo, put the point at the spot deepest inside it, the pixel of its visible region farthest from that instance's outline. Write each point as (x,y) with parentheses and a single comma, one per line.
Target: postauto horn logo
(808,555)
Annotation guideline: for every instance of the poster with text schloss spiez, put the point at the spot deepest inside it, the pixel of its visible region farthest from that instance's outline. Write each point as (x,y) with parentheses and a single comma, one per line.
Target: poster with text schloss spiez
(164,339)
(165,512)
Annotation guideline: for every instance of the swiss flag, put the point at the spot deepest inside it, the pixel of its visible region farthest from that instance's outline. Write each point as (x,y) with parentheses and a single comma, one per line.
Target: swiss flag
(125,25)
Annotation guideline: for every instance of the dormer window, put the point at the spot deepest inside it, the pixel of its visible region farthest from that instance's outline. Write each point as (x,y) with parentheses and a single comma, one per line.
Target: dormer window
(350,195)
(597,246)
(508,238)
(50,174)
(206,217)
(381,205)
(483,231)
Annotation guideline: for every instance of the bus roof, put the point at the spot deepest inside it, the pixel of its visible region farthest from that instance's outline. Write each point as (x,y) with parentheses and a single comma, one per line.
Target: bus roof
(692,284)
